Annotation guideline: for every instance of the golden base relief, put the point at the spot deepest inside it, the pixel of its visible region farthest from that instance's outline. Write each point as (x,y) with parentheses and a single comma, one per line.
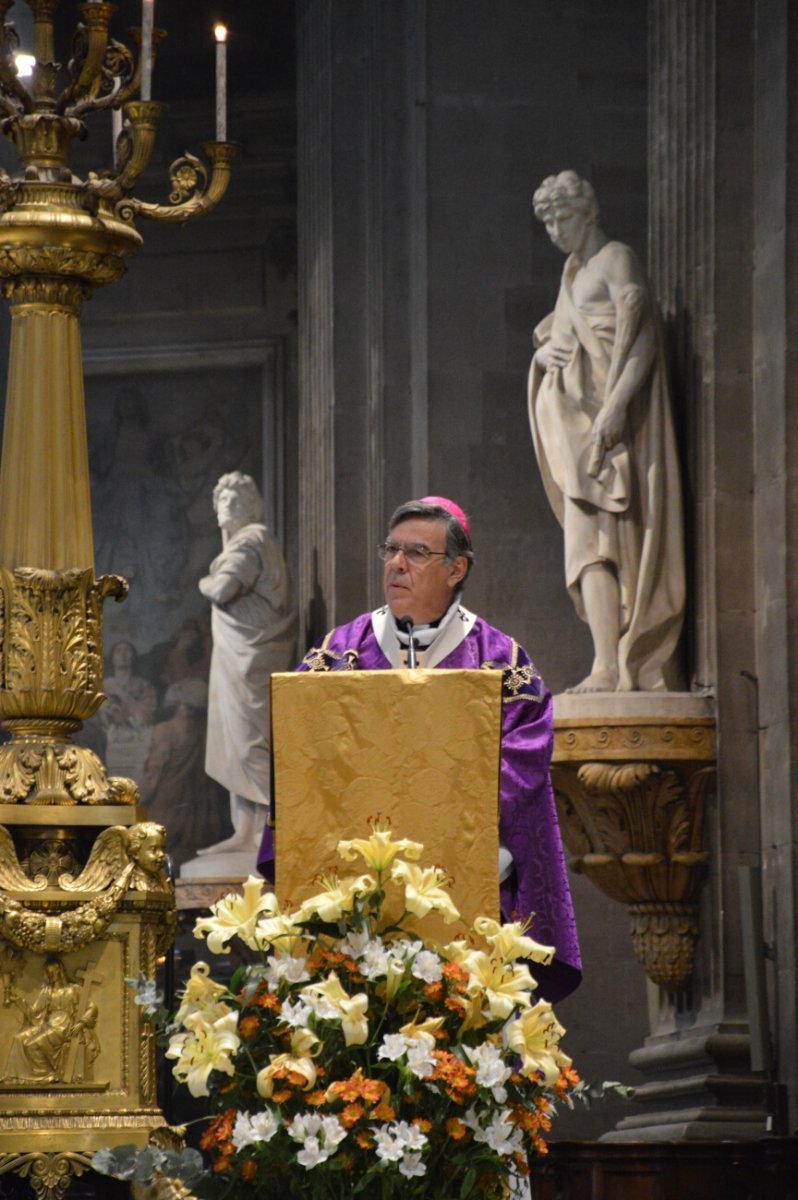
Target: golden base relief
(49,1174)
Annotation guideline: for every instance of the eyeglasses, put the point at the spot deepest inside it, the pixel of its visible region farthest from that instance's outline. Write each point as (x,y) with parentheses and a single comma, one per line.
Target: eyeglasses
(417,554)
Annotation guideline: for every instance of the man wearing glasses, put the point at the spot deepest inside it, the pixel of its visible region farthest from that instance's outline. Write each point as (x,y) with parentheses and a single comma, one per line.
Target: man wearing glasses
(427,557)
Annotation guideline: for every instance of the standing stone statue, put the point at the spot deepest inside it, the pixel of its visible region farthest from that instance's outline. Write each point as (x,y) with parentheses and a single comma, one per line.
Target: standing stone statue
(603,434)
(254,629)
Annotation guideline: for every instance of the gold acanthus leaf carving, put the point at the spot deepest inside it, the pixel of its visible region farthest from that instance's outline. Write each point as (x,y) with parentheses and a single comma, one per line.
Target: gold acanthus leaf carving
(18,767)
(616,778)
(12,877)
(49,1174)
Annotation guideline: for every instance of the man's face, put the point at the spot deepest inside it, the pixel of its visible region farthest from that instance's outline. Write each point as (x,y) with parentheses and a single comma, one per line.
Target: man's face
(424,590)
(229,508)
(567,228)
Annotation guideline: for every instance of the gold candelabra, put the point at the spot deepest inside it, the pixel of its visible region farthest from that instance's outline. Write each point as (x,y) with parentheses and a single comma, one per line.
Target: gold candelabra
(84,899)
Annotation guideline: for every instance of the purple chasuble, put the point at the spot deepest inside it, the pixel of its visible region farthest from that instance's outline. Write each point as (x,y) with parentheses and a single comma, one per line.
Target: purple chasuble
(528,824)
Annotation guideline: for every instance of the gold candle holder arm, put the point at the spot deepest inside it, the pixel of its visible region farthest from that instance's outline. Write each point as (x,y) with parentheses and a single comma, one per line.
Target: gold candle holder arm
(118,67)
(133,151)
(89,49)
(193,193)
(11,88)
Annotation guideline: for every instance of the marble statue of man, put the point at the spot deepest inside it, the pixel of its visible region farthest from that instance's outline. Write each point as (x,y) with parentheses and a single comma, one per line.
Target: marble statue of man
(603,434)
(254,629)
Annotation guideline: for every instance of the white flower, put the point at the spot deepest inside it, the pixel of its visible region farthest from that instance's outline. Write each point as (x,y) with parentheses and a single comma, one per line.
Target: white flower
(320,1136)
(411,1135)
(394,1141)
(393,1046)
(420,1060)
(356,943)
(283,966)
(407,949)
(332,1130)
(427,967)
(492,1070)
(375,960)
(295,1012)
(251,1129)
(502,1136)
(387,1147)
(411,1165)
(311,1154)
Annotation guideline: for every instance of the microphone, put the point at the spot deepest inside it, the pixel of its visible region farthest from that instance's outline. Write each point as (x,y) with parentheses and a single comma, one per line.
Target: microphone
(406,625)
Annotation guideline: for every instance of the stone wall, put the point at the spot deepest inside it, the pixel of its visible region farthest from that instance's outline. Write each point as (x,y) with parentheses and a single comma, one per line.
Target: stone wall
(424,129)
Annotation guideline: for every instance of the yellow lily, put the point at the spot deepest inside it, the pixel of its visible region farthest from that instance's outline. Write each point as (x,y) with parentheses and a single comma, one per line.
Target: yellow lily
(456,951)
(423,1031)
(509,942)
(424,891)
(337,896)
(351,1009)
(206,1047)
(535,1036)
(201,995)
(304,1044)
(503,985)
(379,850)
(236,916)
(279,931)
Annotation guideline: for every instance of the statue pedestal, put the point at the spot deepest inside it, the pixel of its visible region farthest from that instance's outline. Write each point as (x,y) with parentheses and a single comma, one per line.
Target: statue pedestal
(234,866)
(634,778)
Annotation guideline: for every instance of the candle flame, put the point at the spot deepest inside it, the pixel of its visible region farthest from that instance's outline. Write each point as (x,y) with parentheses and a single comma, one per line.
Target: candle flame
(220,33)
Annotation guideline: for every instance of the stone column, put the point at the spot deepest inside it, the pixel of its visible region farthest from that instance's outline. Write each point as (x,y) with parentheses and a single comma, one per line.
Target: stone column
(362,283)
(720,226)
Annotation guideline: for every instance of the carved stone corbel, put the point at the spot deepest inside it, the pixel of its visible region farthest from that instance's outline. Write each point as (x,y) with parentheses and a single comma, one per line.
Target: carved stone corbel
(631,773)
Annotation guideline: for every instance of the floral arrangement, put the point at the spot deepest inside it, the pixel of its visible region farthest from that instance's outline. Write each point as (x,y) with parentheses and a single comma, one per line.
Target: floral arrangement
(351,1056)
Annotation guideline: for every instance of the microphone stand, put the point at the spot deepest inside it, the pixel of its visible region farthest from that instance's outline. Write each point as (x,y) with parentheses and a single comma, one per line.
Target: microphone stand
(406,625)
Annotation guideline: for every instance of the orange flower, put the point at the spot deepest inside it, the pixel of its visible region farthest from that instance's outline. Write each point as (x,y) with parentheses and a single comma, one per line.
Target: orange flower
(455,973)
(521,1163)
(316,1098)
(248,1027)
(249,1170)
(281,1096)
(539,1145)
(568,1078)
(382,1112)
(219,1132)
(222,1163)
(357,1088)
(263,998)
(422,1123)
(351,1115)
(364,1139)
(433,991)
(455,1129)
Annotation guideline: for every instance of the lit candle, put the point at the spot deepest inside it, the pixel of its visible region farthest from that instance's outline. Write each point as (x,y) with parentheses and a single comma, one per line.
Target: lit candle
(147,10)
(220,33)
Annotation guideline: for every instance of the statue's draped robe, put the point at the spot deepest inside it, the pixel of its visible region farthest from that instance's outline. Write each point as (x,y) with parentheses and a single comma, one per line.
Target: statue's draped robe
(630,515)
(253,635)
(527,815)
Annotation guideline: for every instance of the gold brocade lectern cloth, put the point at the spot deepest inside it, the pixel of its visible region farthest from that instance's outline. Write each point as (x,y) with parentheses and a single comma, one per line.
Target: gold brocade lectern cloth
(420,747)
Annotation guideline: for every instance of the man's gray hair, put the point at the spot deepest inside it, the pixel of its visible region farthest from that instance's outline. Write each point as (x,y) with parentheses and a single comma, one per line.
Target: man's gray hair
(457,544)
(566,190)
(237,481)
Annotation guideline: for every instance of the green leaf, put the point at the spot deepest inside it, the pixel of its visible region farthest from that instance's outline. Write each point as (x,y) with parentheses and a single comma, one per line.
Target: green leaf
(467,1186)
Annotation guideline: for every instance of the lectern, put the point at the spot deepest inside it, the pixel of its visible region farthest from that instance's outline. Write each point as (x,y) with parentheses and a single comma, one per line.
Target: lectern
(419,747)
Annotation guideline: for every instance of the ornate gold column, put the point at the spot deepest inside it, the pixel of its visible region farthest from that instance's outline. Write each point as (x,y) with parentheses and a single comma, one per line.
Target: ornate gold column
(631,774)
(84,899)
